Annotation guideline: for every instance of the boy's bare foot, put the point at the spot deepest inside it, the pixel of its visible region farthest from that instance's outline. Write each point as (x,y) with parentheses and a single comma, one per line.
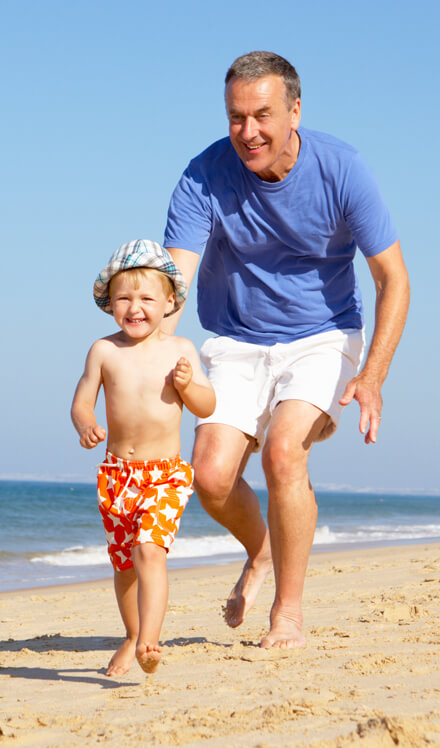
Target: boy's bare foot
(122,659)
(148,656)
(285,633)
(243,596)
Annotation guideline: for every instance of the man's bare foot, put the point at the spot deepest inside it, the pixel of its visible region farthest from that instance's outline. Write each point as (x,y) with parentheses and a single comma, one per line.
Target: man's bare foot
(122,659)
(285,633)
(243,596)
(148,656)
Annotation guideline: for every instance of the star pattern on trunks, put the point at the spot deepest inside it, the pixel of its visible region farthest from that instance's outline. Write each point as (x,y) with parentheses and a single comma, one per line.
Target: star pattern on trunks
(145,536)
(156,474)
(138,476)
(141,504)
(170,512)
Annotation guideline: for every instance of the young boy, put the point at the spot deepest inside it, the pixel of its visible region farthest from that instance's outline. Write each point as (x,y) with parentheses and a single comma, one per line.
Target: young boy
(143,485)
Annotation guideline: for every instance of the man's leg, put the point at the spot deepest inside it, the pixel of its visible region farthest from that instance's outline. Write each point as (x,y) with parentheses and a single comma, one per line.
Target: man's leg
(292,513)
(126,596)
(220,456)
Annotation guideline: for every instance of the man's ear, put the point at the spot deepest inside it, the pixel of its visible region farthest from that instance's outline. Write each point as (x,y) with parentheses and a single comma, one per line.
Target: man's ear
(296,114)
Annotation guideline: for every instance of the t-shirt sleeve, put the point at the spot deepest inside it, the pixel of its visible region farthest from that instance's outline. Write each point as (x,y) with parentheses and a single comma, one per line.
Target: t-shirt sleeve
(365,211)
(189,219)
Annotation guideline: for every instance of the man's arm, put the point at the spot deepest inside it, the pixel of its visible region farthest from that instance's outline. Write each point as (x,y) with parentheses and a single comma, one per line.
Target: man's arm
(392,300)
(187,262)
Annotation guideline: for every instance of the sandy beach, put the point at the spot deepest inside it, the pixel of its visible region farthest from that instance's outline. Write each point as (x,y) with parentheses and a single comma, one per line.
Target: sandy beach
(369,676)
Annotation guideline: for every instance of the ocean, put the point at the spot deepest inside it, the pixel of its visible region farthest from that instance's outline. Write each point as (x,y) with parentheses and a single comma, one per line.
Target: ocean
(51,533)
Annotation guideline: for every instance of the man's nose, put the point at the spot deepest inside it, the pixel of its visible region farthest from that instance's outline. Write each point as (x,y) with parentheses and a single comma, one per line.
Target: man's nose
(249,129)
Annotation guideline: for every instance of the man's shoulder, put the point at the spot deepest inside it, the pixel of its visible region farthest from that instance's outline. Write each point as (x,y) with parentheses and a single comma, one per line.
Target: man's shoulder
(219,153)
(324,144)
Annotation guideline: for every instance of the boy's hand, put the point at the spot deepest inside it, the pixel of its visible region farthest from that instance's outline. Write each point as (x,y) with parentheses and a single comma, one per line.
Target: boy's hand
(182,374)
(91,436)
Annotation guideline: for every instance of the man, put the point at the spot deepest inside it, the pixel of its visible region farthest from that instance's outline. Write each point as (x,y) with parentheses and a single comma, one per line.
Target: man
(278,211)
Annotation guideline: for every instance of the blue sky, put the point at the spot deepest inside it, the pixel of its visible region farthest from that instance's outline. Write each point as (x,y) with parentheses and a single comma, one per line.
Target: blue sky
(105,102)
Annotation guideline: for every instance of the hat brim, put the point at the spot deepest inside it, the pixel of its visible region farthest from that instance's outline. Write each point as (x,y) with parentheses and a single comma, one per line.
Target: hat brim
(137,254)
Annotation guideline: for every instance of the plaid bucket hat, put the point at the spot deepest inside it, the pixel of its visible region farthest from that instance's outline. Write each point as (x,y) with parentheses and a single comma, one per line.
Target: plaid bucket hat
(136,254)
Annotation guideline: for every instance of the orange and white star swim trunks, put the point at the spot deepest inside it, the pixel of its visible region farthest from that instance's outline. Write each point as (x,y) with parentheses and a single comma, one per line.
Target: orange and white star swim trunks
(141,502)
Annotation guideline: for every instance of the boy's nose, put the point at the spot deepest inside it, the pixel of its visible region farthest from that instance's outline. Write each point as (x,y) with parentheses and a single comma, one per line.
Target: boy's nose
(134,305)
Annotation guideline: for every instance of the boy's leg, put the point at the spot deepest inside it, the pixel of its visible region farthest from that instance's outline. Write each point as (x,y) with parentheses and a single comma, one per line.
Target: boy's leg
(150,563)
(126,595)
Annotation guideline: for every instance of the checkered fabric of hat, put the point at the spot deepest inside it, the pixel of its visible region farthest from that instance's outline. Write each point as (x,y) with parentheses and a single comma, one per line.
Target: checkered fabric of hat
(139,253)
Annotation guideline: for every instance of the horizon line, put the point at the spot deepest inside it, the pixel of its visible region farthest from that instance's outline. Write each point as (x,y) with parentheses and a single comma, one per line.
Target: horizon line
(330,487)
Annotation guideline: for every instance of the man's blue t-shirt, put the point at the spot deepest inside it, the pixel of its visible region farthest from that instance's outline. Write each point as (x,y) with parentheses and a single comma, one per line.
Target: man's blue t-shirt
(277,259)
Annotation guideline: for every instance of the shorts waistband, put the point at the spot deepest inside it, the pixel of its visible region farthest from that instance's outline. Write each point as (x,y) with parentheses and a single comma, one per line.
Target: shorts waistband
(167,463)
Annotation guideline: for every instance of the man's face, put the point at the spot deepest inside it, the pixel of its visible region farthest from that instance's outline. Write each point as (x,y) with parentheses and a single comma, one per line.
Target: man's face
(262,127)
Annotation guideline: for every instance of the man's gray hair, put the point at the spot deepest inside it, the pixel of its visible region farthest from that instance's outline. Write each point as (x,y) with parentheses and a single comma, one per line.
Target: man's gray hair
(258,64)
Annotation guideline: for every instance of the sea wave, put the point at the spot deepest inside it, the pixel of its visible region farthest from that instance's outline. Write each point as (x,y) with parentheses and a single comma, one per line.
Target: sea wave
(208,546)
(76,556)
(376,533)
(191,547)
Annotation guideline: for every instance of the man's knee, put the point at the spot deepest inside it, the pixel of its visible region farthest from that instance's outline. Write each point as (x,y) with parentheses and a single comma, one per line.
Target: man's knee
(218,460)
(214,476)
(211,479)
(284,459)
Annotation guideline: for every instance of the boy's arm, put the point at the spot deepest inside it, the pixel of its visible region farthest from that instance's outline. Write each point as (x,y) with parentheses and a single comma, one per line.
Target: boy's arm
(191,383)
(84,400)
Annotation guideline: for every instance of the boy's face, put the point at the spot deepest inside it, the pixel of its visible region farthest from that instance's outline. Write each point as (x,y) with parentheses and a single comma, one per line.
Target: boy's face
(139,311)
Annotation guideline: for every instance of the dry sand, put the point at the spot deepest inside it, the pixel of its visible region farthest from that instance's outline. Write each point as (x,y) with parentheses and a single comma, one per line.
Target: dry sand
(369,675)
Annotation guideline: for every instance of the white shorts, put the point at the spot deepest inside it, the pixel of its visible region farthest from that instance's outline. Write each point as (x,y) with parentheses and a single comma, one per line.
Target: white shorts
(250,380)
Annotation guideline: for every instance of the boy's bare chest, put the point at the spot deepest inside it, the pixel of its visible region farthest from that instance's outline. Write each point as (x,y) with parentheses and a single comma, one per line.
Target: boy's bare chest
(139,375)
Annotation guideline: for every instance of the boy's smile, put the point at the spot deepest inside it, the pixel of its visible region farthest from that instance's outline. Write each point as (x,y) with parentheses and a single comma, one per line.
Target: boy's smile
(139,311)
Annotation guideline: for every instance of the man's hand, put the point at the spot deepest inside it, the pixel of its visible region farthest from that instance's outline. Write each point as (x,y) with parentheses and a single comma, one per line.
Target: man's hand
(367,393)
(91,436)
(182,374)
(392,299)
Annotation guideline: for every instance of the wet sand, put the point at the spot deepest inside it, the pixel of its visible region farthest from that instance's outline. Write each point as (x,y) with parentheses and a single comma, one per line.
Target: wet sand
(369,676)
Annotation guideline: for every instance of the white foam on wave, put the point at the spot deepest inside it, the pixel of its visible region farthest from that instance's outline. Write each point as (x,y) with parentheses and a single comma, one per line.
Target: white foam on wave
(92,555)
(375,533)
(324,535)
(225,545)
(208,545)
(192,547)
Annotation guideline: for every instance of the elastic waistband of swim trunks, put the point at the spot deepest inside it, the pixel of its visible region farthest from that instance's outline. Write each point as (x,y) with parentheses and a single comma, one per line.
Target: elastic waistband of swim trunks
(166,463)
